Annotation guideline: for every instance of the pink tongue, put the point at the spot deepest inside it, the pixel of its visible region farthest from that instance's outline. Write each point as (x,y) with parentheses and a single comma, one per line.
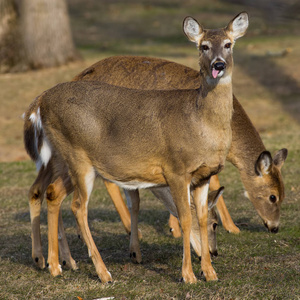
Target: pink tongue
(215,73)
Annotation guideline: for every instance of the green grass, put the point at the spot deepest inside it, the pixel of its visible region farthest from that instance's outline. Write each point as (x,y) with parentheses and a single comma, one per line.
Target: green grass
(252,265)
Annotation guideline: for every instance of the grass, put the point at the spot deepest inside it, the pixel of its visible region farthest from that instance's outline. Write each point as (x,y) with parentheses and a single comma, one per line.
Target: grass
(252,265)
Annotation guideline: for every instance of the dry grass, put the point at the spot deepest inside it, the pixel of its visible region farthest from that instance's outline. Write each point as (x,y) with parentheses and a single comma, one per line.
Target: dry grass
(253,265)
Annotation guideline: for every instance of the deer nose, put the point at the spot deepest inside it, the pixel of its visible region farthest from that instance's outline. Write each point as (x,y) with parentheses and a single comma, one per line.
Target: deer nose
(214,253)
(274,230)
(219,66)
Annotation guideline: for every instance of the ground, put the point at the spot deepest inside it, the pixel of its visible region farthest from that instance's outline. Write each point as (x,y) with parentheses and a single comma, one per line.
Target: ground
(252,265)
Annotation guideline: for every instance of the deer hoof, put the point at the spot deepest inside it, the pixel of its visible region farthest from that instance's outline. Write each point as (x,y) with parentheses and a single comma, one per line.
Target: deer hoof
(106,278)
(136,257)
(40,262)
(189,278)
(55,271)
(210,275)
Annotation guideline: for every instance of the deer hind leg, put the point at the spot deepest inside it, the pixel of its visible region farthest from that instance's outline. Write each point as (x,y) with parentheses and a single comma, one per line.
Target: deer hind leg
(36,197)
(83,188)
(222,209)
(201,205)
(56,193)
(134,248)
(180,190)
(174,226)
(64,250)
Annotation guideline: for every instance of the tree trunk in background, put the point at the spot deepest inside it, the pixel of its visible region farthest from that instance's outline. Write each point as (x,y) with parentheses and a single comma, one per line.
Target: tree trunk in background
(36,34)
(11,50)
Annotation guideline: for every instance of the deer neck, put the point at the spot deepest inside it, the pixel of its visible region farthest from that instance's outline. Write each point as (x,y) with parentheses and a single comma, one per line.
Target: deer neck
(246,143)
(216,100)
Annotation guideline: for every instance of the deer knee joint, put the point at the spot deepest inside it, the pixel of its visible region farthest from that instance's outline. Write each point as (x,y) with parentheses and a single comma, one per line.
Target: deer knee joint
(75,207)
(51,193)
(34,193)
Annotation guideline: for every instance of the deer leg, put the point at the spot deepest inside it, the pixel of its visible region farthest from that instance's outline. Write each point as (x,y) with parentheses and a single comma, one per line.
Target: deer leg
(36,197)
(174,226)
(56,193)
(116,197)
(134,248)
(195,231)
(64,250)
(201,204)
(222,209)
(83,189)
(180,190)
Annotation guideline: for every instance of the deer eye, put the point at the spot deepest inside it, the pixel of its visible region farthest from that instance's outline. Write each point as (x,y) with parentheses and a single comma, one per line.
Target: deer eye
(204,47)
(227,45)
(273,198)
(215,226)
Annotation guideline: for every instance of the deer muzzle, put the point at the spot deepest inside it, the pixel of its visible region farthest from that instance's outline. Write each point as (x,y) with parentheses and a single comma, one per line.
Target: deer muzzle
(271,227)
(218,68)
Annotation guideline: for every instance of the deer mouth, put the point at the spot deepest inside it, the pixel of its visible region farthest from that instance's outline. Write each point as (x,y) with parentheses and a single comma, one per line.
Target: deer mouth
(218,69)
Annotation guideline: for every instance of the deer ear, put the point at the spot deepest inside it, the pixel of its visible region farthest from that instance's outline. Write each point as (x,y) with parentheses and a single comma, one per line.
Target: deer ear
(263,163)
(280,157)
(237,27)
(193,30)
(214,196)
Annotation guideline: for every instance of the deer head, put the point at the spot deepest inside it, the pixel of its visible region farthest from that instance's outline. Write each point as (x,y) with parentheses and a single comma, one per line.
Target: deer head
(215,46)
(267,191)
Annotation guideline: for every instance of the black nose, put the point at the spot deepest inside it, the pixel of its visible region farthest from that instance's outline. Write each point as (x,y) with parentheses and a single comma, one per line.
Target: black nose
(219,66)
(274,230)
(214,253)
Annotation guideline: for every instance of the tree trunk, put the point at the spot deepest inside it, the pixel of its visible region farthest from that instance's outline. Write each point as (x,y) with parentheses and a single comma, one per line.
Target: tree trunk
(11,50)
(39,36)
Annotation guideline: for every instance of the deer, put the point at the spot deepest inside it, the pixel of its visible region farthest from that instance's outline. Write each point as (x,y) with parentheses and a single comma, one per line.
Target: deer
(71,115)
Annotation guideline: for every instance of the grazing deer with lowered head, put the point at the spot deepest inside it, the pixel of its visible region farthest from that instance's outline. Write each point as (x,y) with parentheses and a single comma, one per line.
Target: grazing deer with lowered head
(176,138)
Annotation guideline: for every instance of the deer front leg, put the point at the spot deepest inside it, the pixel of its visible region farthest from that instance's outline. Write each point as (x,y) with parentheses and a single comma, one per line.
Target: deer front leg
(116,197)
(222,209)
(180,190)
(83,189)
(201,204)
(134,248)
(36,197)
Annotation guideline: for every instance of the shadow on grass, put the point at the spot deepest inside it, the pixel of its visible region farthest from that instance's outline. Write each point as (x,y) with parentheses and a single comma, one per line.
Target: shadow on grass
(267,72)
(245,224)
(114,249)
(153,217)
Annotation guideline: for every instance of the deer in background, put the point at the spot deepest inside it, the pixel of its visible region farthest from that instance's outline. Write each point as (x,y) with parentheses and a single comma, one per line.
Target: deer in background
(176,138)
